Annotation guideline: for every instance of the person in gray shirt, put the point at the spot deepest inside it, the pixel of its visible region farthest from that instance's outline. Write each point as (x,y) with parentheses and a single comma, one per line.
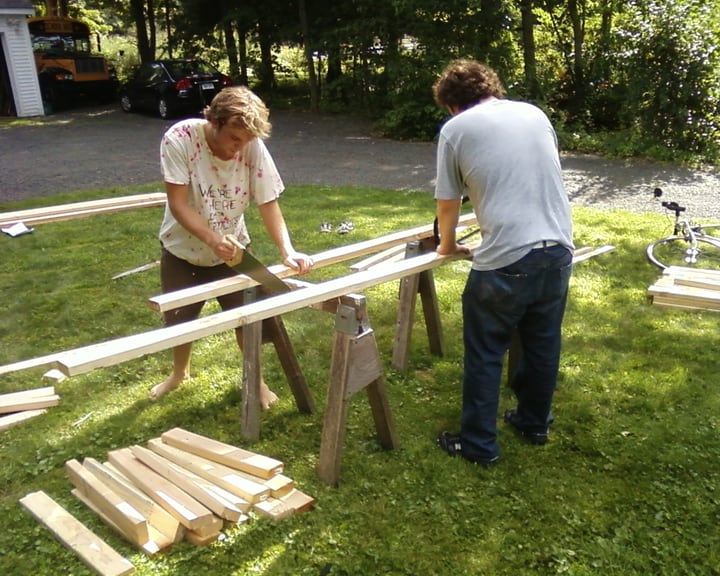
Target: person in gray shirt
(503,155)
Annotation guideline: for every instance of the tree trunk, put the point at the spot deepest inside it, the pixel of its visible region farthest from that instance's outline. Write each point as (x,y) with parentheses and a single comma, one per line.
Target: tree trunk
(168,29)
(242,55)
(137,10)
(266,74)
(528,46)
(151,26)
(578,27)
(231,49)
(307,48)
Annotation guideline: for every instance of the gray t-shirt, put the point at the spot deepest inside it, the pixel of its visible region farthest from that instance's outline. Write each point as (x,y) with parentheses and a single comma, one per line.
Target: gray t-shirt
(503,154)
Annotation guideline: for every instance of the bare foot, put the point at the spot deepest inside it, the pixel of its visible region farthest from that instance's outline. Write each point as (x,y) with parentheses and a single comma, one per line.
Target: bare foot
(159,390)
(267,396)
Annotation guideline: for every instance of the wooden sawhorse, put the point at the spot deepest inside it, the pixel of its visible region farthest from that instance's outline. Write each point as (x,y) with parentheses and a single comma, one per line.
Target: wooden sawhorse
(355,366)
(423,283)
(254,335)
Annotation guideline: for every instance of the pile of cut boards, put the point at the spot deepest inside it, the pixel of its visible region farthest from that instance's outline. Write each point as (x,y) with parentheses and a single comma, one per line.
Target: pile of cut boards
(180,486)
(692,288)
(16,407)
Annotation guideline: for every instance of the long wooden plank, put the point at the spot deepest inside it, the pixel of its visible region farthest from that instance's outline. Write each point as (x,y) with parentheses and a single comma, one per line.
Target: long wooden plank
(675,289)
(219,474)
(188,511)
(38,362)
(93,551)
(179,298)
(687,272)
(705,283)
(222,453)
(666,292)
(109,353)
(30,404)
(8,398)
(23,399)
(10,420)
(586,255)
(197,488)
(131,523)
(82,209)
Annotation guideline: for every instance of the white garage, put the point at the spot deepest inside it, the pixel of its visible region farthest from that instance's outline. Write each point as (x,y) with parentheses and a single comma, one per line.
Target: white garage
(19,88)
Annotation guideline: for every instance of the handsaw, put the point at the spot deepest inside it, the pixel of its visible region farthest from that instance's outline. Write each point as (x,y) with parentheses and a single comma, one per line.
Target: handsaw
(246,263)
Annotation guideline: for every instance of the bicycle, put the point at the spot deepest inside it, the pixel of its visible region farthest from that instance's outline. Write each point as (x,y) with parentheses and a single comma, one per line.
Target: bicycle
(690,245)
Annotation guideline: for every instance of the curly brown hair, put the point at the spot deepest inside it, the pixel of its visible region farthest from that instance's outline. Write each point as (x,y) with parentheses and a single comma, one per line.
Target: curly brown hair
(239,107)
(464,83)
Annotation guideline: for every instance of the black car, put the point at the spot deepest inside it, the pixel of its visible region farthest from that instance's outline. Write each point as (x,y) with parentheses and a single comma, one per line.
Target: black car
(172,87)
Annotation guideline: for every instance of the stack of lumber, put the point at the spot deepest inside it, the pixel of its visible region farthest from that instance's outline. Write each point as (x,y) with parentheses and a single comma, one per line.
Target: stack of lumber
(16,407)
(183,485)
(691,288)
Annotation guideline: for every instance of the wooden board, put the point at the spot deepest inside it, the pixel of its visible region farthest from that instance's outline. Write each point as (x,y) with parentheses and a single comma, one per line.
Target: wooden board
(123,515)
(273,508)
(686,292)
(10,420)
(180,298)
(39,362)
(150,547)
(29,404)
(82,209)
(109,353)
(222,453)
(298,501)
(93,551)
(225,477)
(188,511)
(687,272)
(14,401)
(158,518)
(582,254)
(196,487)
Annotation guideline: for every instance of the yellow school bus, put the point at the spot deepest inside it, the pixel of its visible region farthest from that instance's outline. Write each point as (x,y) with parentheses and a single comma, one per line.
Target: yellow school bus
(67,67)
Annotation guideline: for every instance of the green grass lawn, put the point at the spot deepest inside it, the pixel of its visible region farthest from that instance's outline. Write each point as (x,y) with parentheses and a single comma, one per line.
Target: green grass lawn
(628,485)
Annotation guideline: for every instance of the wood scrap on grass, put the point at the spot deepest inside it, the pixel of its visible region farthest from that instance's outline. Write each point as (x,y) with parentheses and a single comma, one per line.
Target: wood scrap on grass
(687,288)
(17,407)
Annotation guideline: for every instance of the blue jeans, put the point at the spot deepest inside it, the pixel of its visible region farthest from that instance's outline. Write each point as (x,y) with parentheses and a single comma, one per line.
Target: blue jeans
(528,296)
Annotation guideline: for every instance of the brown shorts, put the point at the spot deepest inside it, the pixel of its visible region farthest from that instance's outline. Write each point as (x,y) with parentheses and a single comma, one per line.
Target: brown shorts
(176,274)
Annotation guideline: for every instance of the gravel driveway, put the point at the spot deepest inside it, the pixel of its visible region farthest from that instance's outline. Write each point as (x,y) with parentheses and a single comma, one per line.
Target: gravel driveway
(103,147)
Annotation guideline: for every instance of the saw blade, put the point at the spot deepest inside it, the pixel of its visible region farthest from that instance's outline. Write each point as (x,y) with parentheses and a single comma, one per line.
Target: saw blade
(252,267)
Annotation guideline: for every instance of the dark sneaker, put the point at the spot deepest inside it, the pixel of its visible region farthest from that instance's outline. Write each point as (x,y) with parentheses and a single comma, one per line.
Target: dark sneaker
(452,444)
(537,438)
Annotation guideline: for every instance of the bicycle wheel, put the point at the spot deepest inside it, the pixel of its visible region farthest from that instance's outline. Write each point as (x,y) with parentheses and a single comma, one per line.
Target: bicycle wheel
(677,251)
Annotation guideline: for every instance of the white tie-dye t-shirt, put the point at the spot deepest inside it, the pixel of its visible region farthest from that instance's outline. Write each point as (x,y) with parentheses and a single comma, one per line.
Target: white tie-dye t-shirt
(220,190)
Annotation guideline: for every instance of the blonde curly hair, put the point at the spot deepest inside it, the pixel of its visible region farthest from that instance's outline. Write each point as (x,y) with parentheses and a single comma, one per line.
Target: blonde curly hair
(239,107)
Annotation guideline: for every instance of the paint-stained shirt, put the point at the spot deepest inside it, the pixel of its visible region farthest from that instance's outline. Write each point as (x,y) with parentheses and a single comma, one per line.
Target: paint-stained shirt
(220,190)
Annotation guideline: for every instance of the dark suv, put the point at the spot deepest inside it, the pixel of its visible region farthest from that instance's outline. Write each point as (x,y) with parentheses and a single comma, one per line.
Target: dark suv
(172,88)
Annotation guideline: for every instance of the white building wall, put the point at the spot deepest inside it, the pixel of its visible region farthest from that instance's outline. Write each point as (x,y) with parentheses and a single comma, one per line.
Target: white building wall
(15,38)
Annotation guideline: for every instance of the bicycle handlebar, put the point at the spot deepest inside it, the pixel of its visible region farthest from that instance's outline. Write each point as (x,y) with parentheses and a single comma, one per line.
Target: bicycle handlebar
(674,206)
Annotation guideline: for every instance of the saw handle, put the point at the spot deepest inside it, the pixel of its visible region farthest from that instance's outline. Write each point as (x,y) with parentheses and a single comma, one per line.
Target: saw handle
(238,253)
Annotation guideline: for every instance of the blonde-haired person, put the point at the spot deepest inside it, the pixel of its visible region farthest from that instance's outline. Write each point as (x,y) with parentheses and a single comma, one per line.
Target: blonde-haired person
(213,168)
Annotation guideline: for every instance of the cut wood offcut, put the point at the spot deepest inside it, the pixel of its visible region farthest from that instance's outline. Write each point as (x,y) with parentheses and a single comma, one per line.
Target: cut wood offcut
(687,288)
(17,407)
(157,495)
